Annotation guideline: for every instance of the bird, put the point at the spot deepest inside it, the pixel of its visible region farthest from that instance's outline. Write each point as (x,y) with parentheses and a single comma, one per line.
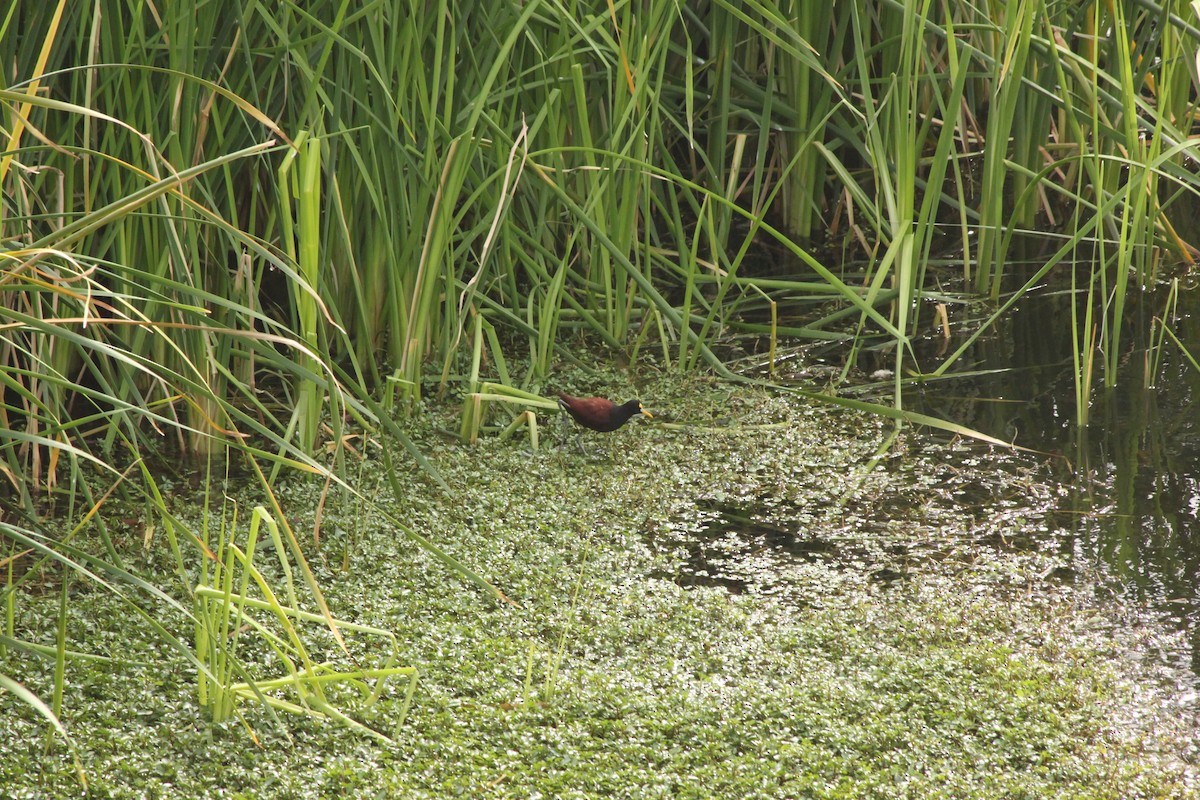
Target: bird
(598,413)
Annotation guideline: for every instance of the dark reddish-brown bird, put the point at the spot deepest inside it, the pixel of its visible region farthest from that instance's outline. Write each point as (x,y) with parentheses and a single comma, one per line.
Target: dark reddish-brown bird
(599,414)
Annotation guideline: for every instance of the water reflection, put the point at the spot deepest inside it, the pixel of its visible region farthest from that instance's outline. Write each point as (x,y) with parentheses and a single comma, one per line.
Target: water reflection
(1133,469)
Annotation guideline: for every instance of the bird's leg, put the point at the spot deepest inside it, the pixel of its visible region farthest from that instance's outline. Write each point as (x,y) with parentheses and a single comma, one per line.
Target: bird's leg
(563,425)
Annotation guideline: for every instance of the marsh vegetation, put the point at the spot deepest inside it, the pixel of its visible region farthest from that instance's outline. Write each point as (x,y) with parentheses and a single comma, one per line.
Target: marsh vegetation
(287,289)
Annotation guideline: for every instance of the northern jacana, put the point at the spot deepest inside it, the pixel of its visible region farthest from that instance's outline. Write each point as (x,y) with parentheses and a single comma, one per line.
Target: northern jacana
(599,414)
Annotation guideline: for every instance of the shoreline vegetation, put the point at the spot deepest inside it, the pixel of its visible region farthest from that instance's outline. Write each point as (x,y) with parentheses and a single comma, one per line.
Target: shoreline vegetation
(944,642)
(335,245)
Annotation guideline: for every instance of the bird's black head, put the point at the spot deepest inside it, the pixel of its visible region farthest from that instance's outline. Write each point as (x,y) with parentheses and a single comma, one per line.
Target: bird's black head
(626,410)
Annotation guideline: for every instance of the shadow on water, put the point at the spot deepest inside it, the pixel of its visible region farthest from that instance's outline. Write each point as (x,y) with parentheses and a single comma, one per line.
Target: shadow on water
(736,548)
(757,546)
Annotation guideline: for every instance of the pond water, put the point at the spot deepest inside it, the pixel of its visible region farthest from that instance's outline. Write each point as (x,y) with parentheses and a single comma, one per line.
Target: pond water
(1133,471)
(1130,502)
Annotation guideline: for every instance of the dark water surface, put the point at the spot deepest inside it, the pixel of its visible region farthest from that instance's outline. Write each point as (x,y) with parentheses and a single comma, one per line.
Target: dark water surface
(1133,471)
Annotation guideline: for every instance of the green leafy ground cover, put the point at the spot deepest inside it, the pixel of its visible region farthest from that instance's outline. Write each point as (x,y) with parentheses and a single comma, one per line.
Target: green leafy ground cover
(943,643)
